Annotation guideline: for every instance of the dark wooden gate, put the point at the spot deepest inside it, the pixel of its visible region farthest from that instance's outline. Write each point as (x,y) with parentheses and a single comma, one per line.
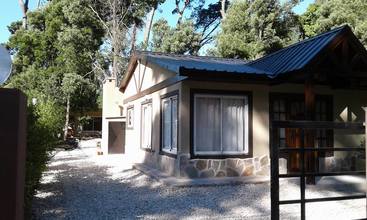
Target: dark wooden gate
(306,127)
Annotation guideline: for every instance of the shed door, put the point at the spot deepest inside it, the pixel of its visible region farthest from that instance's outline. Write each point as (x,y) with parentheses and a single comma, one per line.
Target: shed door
(116,137)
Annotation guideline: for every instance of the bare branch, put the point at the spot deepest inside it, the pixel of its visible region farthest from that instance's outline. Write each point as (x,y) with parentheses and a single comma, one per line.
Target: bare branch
(101,20)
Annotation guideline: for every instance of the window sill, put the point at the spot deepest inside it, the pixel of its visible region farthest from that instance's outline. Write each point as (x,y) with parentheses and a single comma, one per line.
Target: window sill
(147,149)
(220,156)
(169,153)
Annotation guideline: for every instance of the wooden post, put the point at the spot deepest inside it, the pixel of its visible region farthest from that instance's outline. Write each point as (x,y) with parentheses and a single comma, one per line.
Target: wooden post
(311,157)
(13,152)
(365,143)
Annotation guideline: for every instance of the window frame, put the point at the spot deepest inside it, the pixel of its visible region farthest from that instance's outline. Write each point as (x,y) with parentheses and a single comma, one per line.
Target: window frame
(286,97)
(131,110)
(163,151)
(249,126)
(146,102)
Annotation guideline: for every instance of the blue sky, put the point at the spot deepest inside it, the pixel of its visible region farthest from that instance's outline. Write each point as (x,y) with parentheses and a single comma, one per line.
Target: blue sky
(10,11)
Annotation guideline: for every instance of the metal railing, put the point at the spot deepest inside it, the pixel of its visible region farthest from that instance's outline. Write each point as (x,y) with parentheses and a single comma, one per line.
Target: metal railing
(274,154)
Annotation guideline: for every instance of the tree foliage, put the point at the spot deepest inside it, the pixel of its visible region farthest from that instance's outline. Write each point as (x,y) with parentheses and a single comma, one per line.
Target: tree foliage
(253,28)
(180,40)
(189,35)
(52,59)
(324,15)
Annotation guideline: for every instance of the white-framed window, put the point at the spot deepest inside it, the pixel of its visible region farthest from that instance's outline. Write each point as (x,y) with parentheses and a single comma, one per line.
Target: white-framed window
(221,124)
(169,124)
(130,117)
(146,125)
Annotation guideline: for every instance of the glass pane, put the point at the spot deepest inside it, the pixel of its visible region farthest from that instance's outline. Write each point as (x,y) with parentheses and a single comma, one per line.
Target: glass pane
(276,106)
(282,116)
(282,106)
(207,124)
(233,125)
(166,124)
(174,124)
(147,125)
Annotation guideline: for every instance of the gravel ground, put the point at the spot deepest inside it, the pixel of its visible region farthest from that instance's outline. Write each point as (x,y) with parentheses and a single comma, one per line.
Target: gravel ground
(80,185)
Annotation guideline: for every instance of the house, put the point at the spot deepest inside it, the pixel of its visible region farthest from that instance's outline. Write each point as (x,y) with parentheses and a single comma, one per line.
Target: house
(192,116)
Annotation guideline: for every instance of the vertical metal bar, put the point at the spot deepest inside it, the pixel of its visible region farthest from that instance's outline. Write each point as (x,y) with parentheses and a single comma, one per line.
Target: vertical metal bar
(303,184)
(274,185)
(365,143)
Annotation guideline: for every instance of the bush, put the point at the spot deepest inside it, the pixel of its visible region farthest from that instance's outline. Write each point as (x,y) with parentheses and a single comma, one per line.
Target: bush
(43,124)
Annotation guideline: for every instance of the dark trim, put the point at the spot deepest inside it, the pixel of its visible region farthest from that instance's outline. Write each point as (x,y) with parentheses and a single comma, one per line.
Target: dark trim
(148,101)
(154,88)
(127,117)
(167,95)
(117,117)
(248,94)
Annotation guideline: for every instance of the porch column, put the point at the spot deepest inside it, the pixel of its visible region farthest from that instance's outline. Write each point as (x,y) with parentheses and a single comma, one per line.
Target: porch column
(311,159)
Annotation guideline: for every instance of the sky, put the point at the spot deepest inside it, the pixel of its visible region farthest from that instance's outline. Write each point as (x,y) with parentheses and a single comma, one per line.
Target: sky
(10,11)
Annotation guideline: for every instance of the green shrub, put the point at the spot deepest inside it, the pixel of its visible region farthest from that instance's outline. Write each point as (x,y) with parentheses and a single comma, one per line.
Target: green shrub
(43,124)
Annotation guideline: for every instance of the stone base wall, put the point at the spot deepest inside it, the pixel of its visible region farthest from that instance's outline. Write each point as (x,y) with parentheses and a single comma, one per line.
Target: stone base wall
(230,167)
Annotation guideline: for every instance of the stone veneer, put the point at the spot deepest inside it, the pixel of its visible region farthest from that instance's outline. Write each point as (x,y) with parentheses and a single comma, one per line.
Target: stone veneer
(230,167)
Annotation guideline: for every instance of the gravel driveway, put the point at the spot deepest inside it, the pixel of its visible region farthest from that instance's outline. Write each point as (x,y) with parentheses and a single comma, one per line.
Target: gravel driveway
(80,185)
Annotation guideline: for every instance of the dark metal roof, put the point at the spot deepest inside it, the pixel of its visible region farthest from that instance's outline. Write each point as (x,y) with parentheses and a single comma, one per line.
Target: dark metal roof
(296,56)
(178,63)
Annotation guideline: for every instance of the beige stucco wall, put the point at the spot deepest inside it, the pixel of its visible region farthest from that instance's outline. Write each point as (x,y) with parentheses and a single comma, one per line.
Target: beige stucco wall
(133,138)
(145,76)
(112,104)
(346,102)
(343,100)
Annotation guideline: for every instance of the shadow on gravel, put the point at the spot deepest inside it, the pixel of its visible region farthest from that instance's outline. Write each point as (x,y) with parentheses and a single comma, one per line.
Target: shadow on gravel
(90,192)
(83,190)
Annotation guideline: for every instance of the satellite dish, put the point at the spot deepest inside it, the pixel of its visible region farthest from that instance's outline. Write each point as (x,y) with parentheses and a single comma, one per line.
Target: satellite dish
(5,64)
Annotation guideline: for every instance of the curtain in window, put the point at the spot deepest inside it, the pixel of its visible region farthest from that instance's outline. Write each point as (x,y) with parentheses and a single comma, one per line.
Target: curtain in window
(207,124)
(233,127)
(170,124)
(166,124)
(220,124)
(174,124)
(147,125)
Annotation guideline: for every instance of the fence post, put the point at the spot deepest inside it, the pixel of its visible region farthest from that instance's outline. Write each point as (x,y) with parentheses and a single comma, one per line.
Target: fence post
(365,144)
(12,156)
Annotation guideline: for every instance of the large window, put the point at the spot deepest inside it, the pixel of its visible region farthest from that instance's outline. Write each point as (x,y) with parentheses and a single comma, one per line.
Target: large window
(169,124)
(221,124)
(146,125)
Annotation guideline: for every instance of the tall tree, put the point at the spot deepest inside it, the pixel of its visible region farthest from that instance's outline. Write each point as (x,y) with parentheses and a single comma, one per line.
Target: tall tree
(180,39)
(324,15)
(121,19)
(24,7)
(189,35)
(60,43)
(255,28)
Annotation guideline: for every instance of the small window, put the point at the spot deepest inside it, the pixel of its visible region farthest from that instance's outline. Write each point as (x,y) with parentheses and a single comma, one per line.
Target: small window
(146,125)
(130,117)
(169,124)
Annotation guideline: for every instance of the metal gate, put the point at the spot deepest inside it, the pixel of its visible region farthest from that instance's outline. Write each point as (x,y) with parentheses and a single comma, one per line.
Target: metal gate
(304,126)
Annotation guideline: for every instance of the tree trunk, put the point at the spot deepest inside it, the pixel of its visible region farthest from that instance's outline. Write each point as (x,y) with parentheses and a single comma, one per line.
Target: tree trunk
(148,26)
(114,39)
(67,117)
(24,8)
(133,38)
(223,9)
